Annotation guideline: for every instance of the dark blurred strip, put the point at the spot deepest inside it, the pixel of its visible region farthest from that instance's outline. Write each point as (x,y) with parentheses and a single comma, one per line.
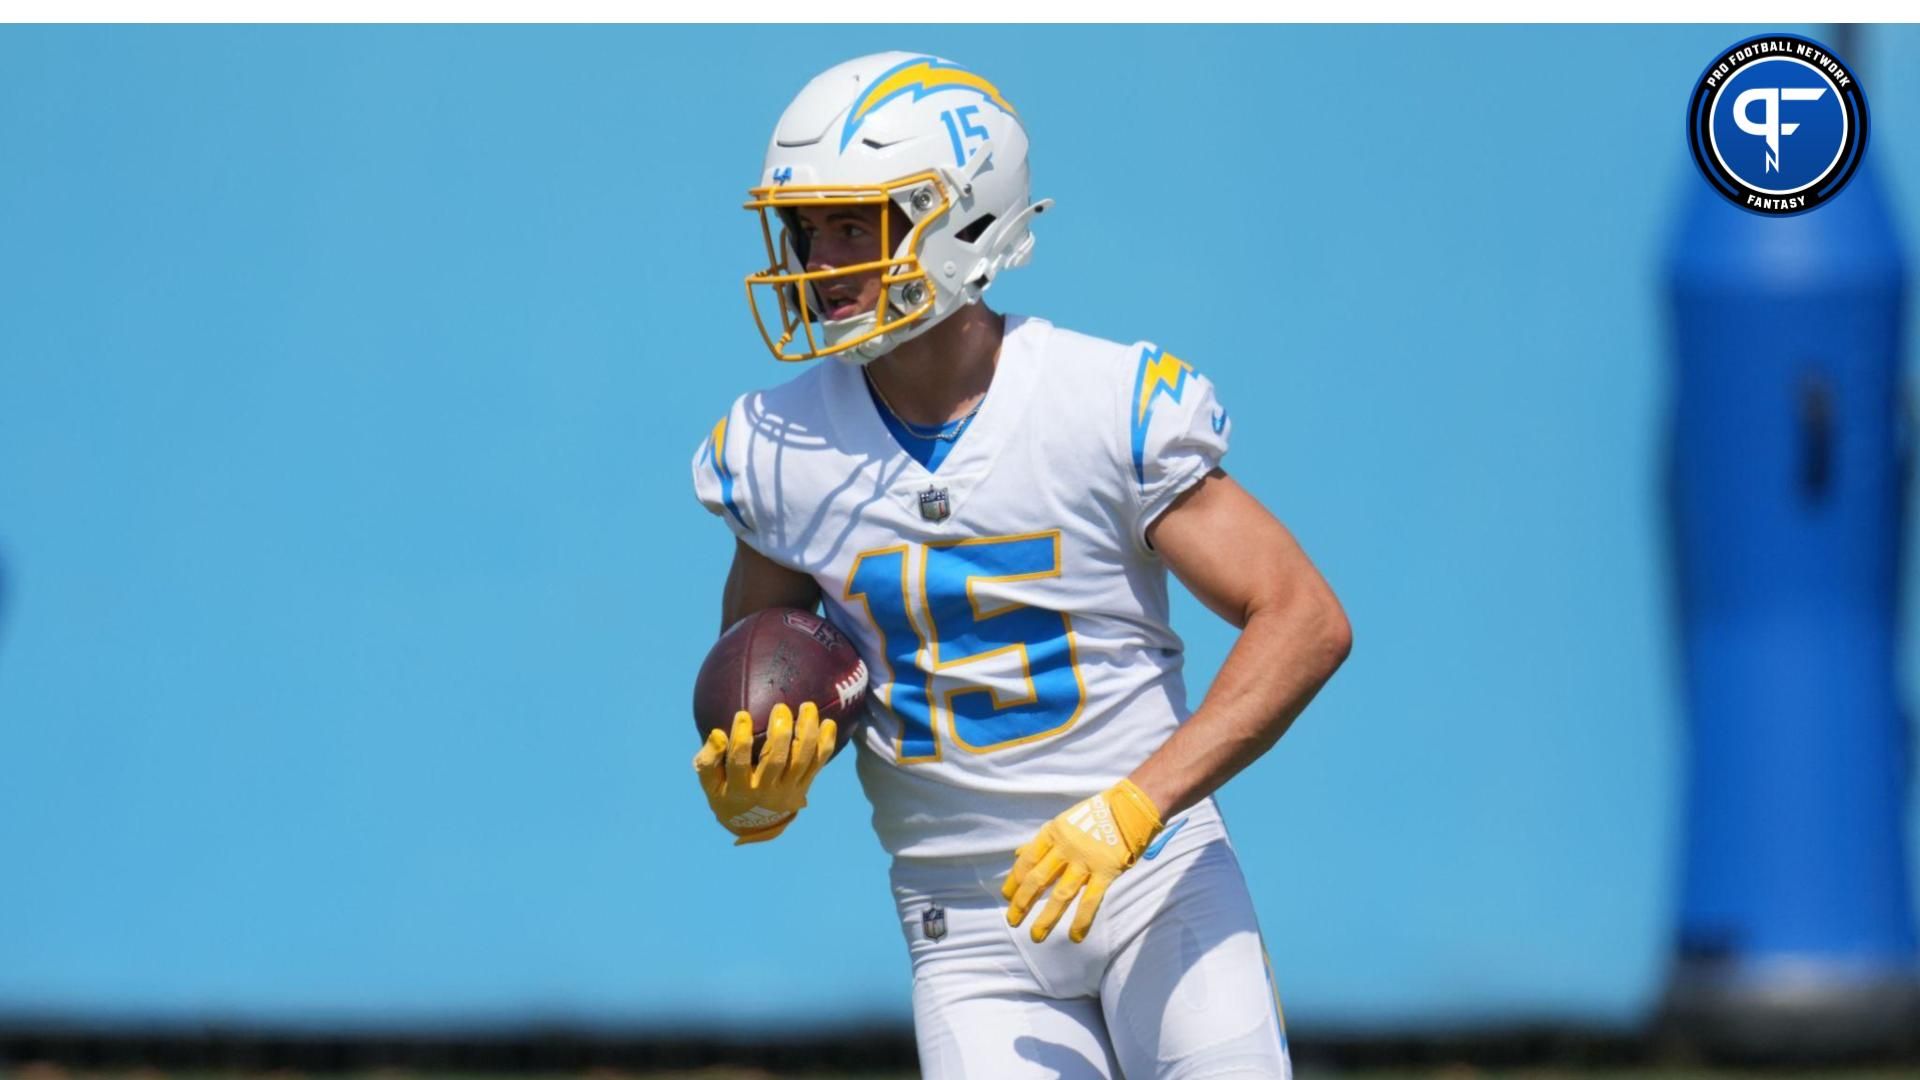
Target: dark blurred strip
(878,1049)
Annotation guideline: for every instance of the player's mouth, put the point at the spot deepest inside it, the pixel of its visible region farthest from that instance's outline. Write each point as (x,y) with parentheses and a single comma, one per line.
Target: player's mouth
(841,303)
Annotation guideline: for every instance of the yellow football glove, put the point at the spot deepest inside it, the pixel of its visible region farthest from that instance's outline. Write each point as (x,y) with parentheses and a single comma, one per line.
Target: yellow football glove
(757,801)
(1088,846)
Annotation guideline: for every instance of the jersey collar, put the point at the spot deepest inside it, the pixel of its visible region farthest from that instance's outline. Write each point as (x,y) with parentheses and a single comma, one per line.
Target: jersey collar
(857,420)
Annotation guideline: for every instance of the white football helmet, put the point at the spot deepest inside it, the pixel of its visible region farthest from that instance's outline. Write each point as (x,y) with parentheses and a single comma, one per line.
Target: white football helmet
(934,139)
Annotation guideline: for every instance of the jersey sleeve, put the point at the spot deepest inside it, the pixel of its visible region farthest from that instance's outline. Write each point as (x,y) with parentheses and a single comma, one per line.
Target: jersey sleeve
(1178,432)
(717,468)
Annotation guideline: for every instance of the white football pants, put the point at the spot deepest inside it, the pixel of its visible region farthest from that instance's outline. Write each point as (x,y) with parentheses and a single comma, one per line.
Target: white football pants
(1172,982)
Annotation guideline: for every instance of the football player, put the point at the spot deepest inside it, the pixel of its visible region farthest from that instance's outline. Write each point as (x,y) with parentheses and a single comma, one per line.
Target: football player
(990,505)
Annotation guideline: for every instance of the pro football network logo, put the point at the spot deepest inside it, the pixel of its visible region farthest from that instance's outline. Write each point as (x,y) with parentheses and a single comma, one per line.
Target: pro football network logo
(1778,124)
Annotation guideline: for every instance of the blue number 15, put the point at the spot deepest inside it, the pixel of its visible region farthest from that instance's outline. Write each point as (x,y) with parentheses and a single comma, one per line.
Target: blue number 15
(960,619)
(960,123)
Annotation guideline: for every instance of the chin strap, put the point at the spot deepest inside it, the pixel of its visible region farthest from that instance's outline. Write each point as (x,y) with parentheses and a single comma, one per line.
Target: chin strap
(868,351)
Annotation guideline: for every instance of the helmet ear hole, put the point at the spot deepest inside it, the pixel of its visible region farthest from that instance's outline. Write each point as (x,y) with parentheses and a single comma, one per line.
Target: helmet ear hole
(972,233)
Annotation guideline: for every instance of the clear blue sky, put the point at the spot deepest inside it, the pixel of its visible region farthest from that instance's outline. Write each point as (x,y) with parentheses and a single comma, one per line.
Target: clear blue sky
(348,382)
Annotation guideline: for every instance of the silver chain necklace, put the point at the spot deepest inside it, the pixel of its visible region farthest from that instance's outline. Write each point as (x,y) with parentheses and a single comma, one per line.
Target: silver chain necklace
(920,431)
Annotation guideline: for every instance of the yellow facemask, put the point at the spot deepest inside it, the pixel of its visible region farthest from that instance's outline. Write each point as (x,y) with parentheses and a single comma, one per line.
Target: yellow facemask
(906,293)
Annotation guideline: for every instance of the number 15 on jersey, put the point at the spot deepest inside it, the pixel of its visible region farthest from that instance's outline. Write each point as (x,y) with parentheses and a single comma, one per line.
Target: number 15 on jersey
(943,612)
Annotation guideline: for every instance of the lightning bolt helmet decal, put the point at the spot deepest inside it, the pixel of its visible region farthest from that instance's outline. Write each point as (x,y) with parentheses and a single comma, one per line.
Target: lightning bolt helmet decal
(920,76)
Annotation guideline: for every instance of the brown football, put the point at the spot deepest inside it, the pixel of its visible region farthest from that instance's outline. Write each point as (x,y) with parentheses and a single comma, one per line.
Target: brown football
(775,656)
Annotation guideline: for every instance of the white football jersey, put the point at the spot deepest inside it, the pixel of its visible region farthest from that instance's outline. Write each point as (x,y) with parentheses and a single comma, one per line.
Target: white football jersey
(1007,603)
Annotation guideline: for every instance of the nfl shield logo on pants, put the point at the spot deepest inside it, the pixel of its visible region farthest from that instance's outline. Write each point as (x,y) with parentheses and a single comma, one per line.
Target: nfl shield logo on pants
(933,923)
(933,504)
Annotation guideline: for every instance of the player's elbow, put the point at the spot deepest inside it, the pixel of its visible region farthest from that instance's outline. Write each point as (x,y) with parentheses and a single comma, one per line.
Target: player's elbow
(1334,635)
(1309,627)
(1321,629)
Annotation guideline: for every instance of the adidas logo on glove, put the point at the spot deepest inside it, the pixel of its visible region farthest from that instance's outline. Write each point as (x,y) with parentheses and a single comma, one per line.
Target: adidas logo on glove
(1095,818)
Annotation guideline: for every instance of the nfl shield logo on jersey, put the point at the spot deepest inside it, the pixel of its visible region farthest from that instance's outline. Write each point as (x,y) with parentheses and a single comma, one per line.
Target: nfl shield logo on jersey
(933,923)
(933,504)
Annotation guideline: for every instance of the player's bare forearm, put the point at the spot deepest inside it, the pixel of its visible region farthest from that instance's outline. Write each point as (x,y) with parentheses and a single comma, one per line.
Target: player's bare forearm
(1280,662)
(1244,565)
(755,583)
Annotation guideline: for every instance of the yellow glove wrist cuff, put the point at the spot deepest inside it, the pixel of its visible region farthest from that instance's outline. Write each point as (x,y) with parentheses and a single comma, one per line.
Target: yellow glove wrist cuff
(1135,816)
